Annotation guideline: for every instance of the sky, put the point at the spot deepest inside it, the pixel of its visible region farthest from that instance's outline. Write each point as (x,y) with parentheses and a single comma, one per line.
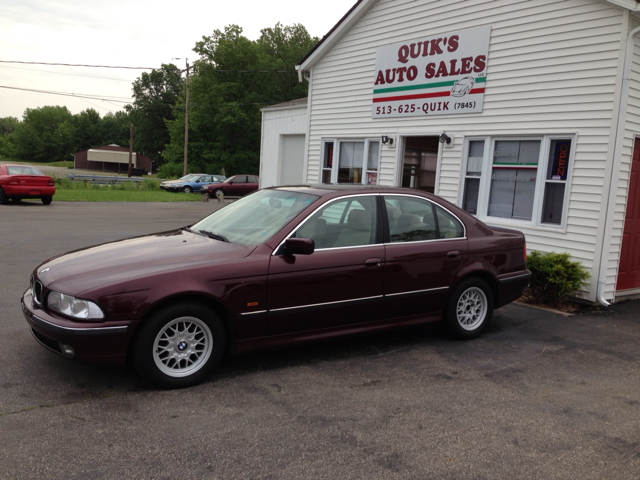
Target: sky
(134,33)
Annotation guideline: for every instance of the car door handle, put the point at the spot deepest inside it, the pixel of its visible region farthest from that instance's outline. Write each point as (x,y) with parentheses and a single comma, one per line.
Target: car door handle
(373,262)
(453,254)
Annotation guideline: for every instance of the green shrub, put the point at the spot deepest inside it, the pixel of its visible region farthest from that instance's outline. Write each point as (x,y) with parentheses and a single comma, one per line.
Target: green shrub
(554,277)
(172,170)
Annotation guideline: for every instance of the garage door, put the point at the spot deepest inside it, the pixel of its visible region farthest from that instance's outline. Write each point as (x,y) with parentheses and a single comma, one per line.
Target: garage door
(292,161)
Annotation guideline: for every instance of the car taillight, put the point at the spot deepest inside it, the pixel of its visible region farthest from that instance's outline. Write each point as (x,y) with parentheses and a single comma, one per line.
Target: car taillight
(13,182)
(51,183)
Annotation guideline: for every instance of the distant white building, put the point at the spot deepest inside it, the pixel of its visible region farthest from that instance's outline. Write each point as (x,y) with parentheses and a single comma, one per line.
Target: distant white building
(537,103)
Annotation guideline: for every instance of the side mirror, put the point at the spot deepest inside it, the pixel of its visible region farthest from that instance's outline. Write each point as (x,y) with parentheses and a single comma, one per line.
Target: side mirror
(299,246)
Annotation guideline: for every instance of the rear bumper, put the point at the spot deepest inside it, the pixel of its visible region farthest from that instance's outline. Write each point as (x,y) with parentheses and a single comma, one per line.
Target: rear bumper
(25,191)
(511,285)
(104,344)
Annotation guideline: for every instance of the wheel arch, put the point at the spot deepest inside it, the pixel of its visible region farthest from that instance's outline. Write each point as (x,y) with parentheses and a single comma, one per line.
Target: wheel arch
(207,301)
(484,276)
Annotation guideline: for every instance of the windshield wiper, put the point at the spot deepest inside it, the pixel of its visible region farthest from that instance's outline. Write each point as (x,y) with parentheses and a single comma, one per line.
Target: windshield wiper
(215,236)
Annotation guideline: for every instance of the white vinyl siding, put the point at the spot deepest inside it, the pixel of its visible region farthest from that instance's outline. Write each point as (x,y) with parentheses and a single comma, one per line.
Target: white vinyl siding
(632,130)
(553,67)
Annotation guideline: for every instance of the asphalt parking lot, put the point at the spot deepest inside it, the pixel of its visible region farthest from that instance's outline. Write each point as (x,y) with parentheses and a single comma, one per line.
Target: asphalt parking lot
(538,396)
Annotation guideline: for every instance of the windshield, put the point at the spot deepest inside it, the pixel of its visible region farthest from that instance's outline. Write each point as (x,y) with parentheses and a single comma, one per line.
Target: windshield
(24,170)
(255,218)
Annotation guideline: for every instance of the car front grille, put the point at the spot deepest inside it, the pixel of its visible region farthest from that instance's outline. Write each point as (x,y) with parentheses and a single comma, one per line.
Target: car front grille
(36,291)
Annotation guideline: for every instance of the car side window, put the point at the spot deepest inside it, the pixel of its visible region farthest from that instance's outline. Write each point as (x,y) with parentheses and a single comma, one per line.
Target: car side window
(343,223)
(252,179)
(410,219)
(448,225)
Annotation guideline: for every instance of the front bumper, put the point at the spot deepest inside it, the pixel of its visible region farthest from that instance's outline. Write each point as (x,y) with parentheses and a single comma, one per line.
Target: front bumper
(102,343)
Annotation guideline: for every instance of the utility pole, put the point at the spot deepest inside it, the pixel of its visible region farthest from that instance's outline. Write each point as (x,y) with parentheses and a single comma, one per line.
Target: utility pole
(130,148)
(186,122)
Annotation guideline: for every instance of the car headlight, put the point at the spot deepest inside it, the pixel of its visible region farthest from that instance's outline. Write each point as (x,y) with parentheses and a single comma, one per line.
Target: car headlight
(74,307)
(177,185)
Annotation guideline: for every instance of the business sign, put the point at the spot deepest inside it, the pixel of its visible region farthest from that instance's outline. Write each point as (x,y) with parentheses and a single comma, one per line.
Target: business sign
(441,75)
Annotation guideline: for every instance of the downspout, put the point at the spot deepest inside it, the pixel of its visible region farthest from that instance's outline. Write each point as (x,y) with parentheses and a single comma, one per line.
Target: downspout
(615,169)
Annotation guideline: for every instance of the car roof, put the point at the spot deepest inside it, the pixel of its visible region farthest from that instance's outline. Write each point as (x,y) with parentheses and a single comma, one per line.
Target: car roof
(338,189)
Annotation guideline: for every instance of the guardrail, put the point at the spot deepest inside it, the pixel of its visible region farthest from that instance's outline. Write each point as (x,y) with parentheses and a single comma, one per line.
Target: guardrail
(103,179)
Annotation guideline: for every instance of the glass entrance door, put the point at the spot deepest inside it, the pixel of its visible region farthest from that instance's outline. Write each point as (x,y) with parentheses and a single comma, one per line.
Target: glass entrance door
(420,163)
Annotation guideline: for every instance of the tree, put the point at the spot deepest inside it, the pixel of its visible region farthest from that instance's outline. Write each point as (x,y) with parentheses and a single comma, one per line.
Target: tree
(46,134)
(8,128)
(114,129)
(233,79)
(155,94)
(87,133)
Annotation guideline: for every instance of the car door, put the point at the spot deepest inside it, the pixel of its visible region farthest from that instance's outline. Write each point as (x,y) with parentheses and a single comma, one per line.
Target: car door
(236,185)
(426,247)
(338,285)
(203,180)
(252,183)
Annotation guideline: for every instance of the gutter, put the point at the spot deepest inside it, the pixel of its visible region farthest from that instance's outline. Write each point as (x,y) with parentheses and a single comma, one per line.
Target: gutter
(615,169)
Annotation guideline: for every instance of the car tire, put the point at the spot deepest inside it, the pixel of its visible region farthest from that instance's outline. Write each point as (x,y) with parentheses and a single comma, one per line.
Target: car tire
(469,309)
(187,190)
(47,199)
(179,346)
(214,194)
(3,197)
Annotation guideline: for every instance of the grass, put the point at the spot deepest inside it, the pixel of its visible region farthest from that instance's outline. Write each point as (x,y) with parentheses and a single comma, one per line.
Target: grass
(146,191)
(110,195)
(64,163)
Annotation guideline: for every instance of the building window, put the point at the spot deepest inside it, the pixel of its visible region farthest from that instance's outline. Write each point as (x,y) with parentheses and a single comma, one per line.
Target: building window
(517,180)
(472,177)
(513,179)
(350,161)
(555,181)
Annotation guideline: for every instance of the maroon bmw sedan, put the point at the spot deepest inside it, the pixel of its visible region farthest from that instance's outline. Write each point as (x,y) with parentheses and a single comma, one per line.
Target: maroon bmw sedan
(280,266)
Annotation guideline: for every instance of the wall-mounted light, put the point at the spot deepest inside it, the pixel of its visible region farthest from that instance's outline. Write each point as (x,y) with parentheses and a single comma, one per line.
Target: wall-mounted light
(444,138)
(385,139)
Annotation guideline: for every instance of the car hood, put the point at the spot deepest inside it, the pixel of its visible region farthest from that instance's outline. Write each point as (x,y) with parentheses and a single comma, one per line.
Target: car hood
(124,261)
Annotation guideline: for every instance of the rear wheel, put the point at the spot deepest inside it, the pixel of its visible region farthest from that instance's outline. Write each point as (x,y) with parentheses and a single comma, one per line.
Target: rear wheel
(179,346)
(187,189)
(469,309)
(3,197)
(47,199)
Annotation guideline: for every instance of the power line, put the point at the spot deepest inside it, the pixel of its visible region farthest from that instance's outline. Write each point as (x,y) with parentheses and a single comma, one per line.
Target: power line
(67,74)
(208,69)
(110,99)
(76,65)
(105,98)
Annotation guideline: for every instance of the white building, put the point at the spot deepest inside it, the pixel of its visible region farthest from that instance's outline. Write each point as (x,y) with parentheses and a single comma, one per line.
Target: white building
(538,101)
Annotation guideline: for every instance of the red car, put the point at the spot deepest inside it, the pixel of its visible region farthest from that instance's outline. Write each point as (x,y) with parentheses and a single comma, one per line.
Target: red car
(280,266)
(235,186)
(24,181)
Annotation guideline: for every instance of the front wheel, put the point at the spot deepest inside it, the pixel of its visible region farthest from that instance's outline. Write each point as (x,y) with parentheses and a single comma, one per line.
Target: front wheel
(179,346)
(469,309)
(47,199)
(187,189)
(215,193)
